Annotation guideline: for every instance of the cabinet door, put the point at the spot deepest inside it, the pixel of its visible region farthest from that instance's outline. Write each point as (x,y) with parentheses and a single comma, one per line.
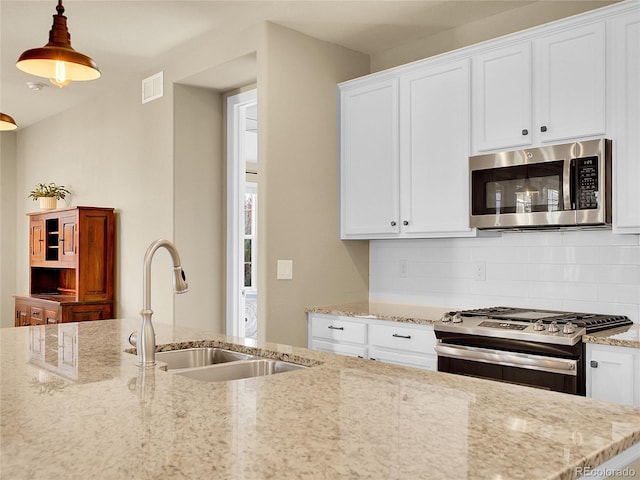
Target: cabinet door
(68,238)
(36,240)
(369,199)
(501,96)
(339,348)
(84,313)
(428,362)
(570,81)
(22,314)
(434,149)
(626,117)
(611,374)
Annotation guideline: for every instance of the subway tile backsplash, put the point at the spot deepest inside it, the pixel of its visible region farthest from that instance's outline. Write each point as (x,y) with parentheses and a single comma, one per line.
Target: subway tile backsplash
(586,271)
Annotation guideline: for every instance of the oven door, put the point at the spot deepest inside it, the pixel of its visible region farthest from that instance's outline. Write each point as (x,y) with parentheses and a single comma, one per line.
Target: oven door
(550,373)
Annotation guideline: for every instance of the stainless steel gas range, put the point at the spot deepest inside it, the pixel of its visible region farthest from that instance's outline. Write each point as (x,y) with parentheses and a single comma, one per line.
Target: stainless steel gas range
(540,348)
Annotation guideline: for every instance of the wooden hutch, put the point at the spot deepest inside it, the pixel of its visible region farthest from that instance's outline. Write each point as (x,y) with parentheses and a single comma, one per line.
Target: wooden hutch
(71,267)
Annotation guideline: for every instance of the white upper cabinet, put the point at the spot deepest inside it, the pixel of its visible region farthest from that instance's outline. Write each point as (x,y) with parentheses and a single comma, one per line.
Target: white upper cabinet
(369,156)
(406,133)
(434,150)
(570,84)
(546,90)
(625,85)
(404,153)
(502,116)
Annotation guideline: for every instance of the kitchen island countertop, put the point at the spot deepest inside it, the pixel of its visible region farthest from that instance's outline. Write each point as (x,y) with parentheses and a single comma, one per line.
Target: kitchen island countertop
(75,405)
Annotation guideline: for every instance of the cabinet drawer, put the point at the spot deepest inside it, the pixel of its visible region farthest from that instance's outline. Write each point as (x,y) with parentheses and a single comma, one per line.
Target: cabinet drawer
(419,340)
(428,362)
(334,328)
(350,350)
(50,316)
(36,314)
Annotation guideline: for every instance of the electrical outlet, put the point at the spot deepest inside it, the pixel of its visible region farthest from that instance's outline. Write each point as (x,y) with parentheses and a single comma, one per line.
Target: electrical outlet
(404,269)
(480,271)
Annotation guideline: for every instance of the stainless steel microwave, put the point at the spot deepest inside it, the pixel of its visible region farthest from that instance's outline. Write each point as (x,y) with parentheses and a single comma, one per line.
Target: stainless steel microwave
(565,185)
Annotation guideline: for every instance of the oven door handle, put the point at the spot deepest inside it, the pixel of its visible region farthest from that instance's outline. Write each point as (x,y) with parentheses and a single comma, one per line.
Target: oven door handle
(511,359)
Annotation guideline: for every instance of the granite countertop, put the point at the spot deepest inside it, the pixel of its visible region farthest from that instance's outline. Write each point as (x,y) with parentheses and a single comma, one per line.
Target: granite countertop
(620,337)
(623,337)
(418,314)
(74,405)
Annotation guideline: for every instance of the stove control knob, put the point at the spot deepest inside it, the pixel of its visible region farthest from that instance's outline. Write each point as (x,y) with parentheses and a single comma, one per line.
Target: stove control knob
(569,328)
(553,327)
(445,318)
(538,326)
(457,318)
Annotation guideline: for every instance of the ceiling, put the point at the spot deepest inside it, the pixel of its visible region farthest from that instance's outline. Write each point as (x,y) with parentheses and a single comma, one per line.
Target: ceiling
(124,37)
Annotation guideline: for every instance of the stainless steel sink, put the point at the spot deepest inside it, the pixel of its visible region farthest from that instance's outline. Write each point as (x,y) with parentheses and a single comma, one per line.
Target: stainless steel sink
(199,357)
(240,369)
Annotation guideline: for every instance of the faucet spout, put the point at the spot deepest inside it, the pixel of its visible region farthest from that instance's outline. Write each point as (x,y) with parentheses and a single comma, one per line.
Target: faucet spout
(146,339)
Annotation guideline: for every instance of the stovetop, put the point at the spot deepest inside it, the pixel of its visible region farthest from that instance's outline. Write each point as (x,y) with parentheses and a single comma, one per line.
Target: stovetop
(542,326)
(592,322)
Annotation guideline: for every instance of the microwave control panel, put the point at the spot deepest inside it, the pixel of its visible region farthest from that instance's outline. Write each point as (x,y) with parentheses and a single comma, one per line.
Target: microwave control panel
(587,183)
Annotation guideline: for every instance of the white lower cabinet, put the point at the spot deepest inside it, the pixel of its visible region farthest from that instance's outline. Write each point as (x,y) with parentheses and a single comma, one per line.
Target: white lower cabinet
(381,340)
(613,373)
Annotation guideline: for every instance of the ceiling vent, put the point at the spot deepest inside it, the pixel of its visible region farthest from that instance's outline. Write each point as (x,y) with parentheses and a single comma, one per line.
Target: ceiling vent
(152,87)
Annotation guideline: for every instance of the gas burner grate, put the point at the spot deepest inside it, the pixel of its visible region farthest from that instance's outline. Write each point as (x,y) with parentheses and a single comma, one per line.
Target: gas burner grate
(592,322)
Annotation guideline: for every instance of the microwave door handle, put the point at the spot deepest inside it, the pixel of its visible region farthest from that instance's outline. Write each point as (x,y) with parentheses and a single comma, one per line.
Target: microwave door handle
(573,194)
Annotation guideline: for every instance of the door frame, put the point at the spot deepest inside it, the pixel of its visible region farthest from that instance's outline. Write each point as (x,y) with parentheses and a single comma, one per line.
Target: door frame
(236,168)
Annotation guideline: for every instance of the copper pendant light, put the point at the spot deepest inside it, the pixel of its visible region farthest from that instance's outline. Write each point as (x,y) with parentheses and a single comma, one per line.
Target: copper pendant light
(7,122)
(57,60)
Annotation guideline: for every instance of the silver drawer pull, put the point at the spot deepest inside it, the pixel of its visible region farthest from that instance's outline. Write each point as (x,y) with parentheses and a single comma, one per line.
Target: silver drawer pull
(335,328)
(401,336)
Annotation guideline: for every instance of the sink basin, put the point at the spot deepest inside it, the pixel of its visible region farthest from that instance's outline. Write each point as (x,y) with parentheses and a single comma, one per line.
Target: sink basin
(199,357)
(238,370)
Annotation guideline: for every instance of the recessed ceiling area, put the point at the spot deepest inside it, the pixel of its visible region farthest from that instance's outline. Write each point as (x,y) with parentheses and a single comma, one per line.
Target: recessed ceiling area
(126,37)
(227,76)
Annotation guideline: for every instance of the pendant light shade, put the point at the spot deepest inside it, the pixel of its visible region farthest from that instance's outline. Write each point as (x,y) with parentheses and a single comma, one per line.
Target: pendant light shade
(7,122)
(57,60)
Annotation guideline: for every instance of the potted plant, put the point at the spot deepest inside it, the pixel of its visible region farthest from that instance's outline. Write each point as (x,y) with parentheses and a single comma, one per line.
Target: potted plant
(48,194)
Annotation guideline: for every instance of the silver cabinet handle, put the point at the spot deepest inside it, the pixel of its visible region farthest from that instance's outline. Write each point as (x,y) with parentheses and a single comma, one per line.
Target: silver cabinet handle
(401,336)
(594,364)
(393,223)
(335,328)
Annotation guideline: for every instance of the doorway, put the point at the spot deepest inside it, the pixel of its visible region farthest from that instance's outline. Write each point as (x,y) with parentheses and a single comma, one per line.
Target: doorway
(242,202)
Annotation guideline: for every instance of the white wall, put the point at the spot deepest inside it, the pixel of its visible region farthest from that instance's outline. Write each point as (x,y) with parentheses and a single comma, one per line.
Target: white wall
(108,154)
(298,167)
(198,213)
(8,167)
(583,271)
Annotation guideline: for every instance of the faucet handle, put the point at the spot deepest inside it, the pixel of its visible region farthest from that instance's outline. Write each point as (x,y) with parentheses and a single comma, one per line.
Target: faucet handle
(133,339)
